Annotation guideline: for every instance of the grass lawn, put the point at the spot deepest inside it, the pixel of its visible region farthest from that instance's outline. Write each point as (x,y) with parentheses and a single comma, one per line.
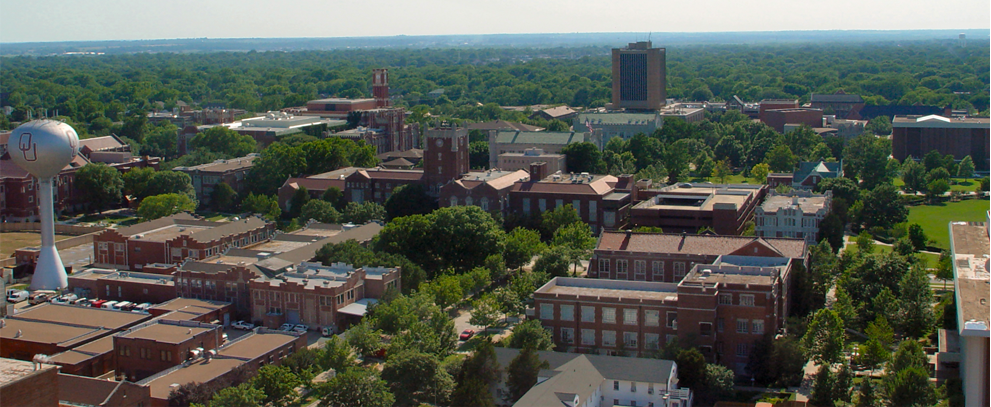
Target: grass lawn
(15,240)
(122,220)
(956,184)
(935,219)
(931,259)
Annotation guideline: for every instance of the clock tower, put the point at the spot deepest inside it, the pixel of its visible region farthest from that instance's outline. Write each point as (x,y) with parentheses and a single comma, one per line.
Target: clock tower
(445,156)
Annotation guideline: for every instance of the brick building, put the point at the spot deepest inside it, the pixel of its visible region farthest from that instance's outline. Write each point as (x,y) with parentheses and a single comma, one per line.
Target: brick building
(691,113)
(193,309)
(842,105)
(639,77)
(117,285)
(232,172)
(28,385)
(915,136)
(601,200)
(445,156)
(970,249)
(668,257)
(87,391)
(250,352)
(174,239)
(778,118)
(376,184)
(773,104)
(93,359)
(488,190)
(316,185)
(688,207)
(155,346)
(319,296)
(795,214)
(50,328)
(722,308)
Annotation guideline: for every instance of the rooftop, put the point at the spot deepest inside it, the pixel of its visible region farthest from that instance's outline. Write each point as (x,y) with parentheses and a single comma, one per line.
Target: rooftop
(182,303)
(711,245)
(744,273)
(540,137)
(497,179)
(49,333)
(593,184)
(88,351)
(971,250)
(700,196)
(12,370)
(503,125)
(640,290)
(69,315)
(168,331)
(341,101)
(222,166)
(108,274)
(836,98)
(613,119)
(807,204)
(938,121)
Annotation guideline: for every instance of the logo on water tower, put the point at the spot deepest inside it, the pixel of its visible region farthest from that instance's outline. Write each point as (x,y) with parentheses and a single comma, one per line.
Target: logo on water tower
(28,148)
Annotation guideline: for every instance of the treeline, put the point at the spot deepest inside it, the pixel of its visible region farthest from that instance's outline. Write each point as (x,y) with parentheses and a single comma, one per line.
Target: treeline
(85,89)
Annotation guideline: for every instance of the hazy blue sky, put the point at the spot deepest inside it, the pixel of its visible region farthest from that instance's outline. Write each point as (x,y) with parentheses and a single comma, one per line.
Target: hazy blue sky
(60,20)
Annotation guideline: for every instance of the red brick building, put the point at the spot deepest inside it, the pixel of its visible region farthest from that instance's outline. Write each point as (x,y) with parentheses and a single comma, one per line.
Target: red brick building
(602,201)
(25,384)
(155,346)
(174,239)
(488,190)
(778,118)
(915,136)
(842,105)
(233,172)
(116,285)
(772,104)
(722,309)
(319,296)
(92,359)
(316,185)
(88,391)
(668,257)
(688,207)
(50,329)
(445,157)
(376,184)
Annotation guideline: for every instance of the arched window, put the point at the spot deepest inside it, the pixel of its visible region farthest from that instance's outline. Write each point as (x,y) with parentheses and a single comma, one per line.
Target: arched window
(454,201)
(469,201)
(485,204)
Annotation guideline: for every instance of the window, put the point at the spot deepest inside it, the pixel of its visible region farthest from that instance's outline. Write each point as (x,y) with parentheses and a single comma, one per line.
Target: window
(526,205)
(652,341)
(705,328)
(119,247)
(603,265)
(542,205)
(567,312)
(720,322)
(469,201)
(125,351)
(588,314)
(485,204)
(592,212)
(640,269)
(609,315)
(578,206)
(650,388)
(679,271)
(758,326)
(166,356)
(633,388)
(621,266)
(747,300)
(629,316)
(558,203)
(725,299)
(630,339)
(103,245)
(608,338)
(454,201)
(615,386)
(672,320)
(588,337)
(741,326)
(652,317)
(547,311)
(658,270)
(741,350)
(567,335)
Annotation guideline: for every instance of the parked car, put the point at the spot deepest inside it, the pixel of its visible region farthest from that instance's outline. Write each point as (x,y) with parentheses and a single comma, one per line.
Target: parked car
(247,326)
(286,327)
(120,305)
(83,302)
(302,329)
(64,299)
(98,303)
(40,296)
(15,296)
(466,334)
(327,331)
(109,305)
(142,308)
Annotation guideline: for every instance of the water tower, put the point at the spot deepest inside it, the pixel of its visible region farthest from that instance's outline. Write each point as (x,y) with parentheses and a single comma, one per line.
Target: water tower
(43,148)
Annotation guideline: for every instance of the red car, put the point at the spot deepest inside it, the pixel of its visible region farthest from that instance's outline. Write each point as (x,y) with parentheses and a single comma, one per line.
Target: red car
(467,334)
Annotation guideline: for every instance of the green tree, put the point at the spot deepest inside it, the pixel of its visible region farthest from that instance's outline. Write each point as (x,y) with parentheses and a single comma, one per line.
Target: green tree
(824,339)
(319,210)
(719,379)
(843,384)
(278,384)
(910,387)
(470,235)
(170,182)
(298,200)
(554,219)
(691,368)
(873,354)
(261,204)
(781,159)
(944,268)
(356,387)
(364,339)
(913,175)
(915,303)
(530,334)
(522,373)
(917,236)
(823,387)
(866,157)
(577,240)
(335,197)
(157,206)
(759,173)
(880,331)
(220,139)
(276,163)
(337,354)
(966,167)
(582,157)
(866,396)
(161,141)
(882,207)
(136,181)
(363,213)
(721,171)
(223,197)
(242,395)
(446,290)
(485,311)
(880,125)
(843,188)
(101,185)
(554,261)
(416,378)
(478,155)
(478,371)
(409,199)
(936,188)
(521,245)
(932,160)
(508,301)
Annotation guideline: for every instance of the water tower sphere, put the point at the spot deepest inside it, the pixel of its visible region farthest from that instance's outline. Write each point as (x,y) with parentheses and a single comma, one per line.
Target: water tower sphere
(43,147)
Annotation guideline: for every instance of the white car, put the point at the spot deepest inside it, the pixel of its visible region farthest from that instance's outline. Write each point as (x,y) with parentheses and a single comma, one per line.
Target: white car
(301,329)
(16,296)
(286,327)
(64,299)
(246,326)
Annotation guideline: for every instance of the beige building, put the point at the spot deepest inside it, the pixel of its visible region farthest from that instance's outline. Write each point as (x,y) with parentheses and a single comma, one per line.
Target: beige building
(970,248)
(795,214)
(517,142)
(639,77)
(522,161)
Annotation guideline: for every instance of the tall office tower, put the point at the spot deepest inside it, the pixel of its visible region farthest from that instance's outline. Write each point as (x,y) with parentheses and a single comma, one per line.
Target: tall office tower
(380,87)
(638,77)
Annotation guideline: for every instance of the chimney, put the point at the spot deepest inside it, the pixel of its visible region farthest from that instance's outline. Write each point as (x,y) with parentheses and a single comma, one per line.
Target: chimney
(948,111)
(538,171)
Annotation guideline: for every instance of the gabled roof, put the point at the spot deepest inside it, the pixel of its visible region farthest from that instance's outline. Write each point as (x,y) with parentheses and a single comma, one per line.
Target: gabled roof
(559,111)
(229,228)
(399,162)
(540,137)
(503,125)
(706,245)
(821,168)
(600,185)
(100,143)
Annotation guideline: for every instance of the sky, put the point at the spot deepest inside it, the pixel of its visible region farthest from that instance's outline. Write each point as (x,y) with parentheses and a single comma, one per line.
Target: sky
(94,20)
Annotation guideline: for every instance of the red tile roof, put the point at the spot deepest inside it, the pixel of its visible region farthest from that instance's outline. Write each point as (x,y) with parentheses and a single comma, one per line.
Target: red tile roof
(713,245)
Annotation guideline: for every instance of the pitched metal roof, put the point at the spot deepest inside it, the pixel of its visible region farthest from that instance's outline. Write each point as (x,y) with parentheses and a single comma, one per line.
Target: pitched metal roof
(712,245)
(836,98)
(540,137)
